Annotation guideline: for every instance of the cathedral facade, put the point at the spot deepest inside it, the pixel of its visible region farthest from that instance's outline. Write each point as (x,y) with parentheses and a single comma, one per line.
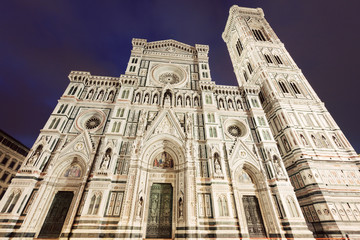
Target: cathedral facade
(163,152)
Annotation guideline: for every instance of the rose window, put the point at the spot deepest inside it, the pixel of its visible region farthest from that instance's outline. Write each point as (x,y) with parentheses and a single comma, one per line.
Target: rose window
(234,130)
(92,123)
(169,78)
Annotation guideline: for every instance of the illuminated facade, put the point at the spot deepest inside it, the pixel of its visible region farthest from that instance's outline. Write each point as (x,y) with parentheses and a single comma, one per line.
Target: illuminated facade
(164,152)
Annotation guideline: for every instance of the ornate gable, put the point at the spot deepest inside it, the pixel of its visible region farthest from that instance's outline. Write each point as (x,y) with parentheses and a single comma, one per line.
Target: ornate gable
(81,145)
(165,123)
(170,46)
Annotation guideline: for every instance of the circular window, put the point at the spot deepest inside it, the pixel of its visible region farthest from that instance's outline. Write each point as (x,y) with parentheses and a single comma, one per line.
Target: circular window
(90,120)
(234,130)
(92,123)
(174,75)
(171,78)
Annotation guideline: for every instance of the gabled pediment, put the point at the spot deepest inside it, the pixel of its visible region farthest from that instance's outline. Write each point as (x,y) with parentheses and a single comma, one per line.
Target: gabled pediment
(171,46)
(81,145)
(242,153)
(166,123)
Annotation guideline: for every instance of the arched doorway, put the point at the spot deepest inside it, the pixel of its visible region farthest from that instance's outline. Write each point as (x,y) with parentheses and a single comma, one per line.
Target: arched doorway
(249,204)
(65,188)
(163,189)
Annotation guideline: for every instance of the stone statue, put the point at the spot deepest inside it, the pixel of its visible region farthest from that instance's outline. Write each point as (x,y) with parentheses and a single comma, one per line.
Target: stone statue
(155,99)
(142,121)
(181,207)
(189,126)
(100,96)
(105,162)
(217,167)
(34,157)
(221,103)
(111,96)
(188,101)
(90,94)
(278,168)
(137,98)
(167,100)
(146,98)
(179,101)
(139,207)
(196,102)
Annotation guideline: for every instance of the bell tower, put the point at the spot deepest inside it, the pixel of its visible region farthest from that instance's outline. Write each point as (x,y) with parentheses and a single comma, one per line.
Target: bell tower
(322,165)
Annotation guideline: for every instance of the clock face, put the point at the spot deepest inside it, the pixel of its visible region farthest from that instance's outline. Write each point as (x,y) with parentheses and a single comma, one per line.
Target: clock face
(92,123)
(234,130)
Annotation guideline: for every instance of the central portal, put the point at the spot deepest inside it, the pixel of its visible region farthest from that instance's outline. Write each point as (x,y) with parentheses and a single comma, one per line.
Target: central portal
(159,223)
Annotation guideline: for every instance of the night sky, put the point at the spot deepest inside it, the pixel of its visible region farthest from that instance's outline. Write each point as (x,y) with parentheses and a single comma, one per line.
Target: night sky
(42,41)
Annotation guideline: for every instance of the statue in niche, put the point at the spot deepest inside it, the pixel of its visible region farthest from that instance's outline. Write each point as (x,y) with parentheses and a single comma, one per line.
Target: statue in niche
(239,104)
(106,160)
(137,99)
(73,171)
(189,126)
(167,100)
(146,98)
(196,102)
(139,207)
(278,168)
(35,155)
(303,140)
(142,121)
(90,94)
(230,104)
(221,103)
(100,96)
(179,101)
(111,96)
(181,208)
(217,166)
(187,101)
(163,161)
(155,99)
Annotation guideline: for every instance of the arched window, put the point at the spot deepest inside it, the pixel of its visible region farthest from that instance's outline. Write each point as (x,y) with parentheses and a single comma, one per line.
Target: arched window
(90,94)
(11,202)
(295,88)
(268,58)
(278,59)
(283,87)
(259,35)
(245,76)
(214,132)
(114,127)
(56,124)
(336,141)
(223,206)
(63,111)
(60,109)
(292,207)
(70,91)
(94,204)
(239,47)
(74,91)
(249,68)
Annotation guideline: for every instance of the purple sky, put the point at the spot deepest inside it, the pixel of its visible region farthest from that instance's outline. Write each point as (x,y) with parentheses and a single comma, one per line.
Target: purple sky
(42,41)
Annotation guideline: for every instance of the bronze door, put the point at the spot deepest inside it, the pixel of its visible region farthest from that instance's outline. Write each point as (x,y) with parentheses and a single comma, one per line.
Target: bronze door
(253,217)
(55,218)
(159,224)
